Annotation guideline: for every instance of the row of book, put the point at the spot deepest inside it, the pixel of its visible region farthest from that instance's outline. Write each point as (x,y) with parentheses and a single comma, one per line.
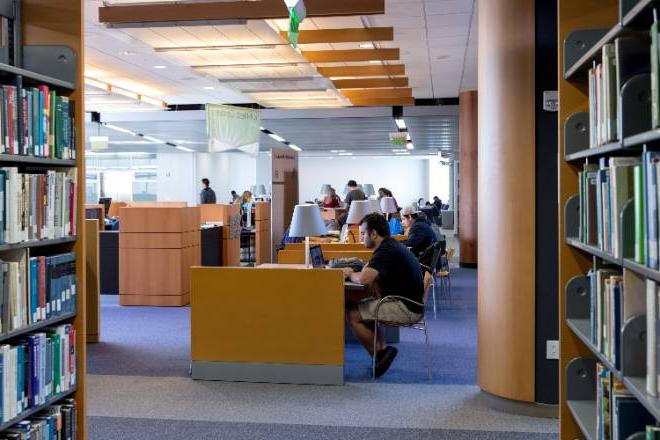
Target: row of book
(37,206)
(36,122)
(603,98)
(605,188)
(56,422)
(619,414)
(35,289)
(36,369)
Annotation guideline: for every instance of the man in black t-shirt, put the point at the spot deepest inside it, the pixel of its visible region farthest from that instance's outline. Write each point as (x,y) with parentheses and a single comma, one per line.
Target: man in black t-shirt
(397,272)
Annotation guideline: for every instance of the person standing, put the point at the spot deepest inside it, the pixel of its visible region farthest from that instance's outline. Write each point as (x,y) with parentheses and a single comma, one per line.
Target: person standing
(207,195)
(354,193)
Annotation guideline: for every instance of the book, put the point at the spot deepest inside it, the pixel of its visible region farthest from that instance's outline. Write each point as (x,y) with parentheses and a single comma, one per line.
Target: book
(651,320)
(621,191)
(640,217)
(650,160)
(630,416)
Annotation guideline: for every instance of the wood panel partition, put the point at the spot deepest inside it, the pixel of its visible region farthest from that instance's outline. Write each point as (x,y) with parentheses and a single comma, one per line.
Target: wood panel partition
(468,199)
(506,311)
(92,285)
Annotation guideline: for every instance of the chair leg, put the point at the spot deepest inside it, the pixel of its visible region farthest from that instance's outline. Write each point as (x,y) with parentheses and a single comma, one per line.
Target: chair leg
(449,288)
(373,357)
(428,350)
(435,313)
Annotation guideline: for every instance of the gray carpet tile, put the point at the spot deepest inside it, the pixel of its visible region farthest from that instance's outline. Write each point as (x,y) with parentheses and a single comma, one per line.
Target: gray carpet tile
(119,428)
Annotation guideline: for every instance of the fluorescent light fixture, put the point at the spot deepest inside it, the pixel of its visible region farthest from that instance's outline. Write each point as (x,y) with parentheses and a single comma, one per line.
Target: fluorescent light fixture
(124,92)
(209,88)
(410,146)
(398,151)
(159,67)
(375,61)
(261,128)
(295,147)
(153,139)
(408,138)
(98,84)
(130,142)
(153,101)
(345,154)
(119,129)
(187,150)
(276,137)
(338,151)
(366,46)
(400,123)
(402,154)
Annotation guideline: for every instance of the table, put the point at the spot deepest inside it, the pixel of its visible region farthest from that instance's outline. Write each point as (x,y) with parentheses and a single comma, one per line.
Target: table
(354,292)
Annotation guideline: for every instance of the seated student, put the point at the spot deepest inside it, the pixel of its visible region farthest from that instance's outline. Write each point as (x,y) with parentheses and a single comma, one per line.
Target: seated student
(420,235)
(395,271)
(331,200)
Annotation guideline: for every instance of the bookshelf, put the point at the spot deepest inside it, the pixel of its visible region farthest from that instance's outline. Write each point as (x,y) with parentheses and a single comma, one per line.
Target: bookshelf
(584,27)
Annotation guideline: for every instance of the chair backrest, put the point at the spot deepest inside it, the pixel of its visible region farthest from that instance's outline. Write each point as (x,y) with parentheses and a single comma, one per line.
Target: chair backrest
(450,253)
(437,253)
(428,281)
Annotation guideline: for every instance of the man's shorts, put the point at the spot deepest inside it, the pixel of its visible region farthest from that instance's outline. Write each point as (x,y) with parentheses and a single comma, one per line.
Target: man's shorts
(394,311)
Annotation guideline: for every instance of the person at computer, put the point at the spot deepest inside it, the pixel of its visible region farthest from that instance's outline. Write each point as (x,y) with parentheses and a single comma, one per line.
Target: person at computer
(234,196)
(331,200)
(419,232)
(393,270)
(384,192)
(207,195)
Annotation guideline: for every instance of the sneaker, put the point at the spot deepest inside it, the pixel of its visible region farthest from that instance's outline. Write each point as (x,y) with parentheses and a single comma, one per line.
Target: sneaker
(384,359)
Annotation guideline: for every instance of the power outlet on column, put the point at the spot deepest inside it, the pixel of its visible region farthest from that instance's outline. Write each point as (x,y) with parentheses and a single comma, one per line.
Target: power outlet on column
(552,350)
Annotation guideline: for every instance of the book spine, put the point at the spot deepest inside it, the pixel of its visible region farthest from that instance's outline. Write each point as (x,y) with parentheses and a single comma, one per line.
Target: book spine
(640,218)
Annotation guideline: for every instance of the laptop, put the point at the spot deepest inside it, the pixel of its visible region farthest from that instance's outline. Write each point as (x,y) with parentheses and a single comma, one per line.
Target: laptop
(316,257)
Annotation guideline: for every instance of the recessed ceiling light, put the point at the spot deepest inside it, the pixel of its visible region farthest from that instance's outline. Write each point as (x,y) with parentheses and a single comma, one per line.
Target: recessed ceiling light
(367,46)
(209,88)
(338,151)
(159,67)
(128,53)
(345,154)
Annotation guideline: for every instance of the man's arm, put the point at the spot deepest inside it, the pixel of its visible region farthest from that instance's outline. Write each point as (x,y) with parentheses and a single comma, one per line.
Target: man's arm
(415,240)
(365,277)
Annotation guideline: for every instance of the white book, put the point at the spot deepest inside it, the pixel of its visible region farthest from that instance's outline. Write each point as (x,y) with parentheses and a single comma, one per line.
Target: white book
(651,317)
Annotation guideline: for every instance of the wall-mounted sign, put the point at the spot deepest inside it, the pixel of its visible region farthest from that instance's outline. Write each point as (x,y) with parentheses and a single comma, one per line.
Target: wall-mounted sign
(399,138)
(99,142)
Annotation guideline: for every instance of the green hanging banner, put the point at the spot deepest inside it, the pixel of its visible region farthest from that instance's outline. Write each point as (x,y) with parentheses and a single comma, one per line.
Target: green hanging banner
(297,14)
(233,128)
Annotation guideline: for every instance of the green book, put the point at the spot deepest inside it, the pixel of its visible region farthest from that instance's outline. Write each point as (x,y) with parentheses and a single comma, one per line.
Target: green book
(57,364)
(655,77)
(652,432)
(640,216)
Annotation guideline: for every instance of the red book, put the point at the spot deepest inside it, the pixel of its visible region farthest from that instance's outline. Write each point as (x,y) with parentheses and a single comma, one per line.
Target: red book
(10,95)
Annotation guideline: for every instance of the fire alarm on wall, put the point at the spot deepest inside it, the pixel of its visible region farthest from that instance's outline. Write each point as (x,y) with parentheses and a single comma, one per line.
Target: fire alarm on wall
(550,101)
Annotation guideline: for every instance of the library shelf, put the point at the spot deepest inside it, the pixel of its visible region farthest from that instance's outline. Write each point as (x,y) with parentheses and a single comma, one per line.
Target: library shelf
(641,269)
(37,243)
(582,329)
(36,78)
(632,17)
(647,137)
(637,386)
(593,251)
(40,161)
(612,147)
(38,326)
(30,412)
(584,413)
(582,65)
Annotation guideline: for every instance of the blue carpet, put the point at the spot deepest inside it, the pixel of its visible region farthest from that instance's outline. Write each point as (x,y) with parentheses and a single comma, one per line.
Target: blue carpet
(155,341)
(111,428)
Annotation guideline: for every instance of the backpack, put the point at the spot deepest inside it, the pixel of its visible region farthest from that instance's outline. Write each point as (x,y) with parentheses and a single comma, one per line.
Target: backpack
(395,226)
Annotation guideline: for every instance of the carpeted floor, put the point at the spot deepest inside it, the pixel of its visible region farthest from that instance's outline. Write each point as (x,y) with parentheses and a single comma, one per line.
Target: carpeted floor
(138,387)
(159,342)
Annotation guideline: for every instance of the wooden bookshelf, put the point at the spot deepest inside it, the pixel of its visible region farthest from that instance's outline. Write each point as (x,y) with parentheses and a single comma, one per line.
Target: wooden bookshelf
(47,22)
(613,19)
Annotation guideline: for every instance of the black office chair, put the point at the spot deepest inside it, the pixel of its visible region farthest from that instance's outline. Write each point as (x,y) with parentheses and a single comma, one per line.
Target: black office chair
(438,250)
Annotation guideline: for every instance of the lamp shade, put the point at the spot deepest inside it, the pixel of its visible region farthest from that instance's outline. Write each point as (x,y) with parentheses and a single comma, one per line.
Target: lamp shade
(359,208)
(325,189)
(374,205)
(307,221)
(387,205)
(368,189)
(261,190)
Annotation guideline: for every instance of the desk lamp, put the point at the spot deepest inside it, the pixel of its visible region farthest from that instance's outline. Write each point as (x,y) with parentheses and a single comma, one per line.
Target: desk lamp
(388,206)
(368,189)
(306,222)
(358,210)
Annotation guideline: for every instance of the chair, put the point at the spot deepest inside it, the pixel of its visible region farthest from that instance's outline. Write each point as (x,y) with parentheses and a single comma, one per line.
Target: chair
(432,268)
(419,325)
(444,274)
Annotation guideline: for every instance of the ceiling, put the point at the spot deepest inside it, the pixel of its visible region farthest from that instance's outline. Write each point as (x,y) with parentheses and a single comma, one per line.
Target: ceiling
(437,41)
(319,134)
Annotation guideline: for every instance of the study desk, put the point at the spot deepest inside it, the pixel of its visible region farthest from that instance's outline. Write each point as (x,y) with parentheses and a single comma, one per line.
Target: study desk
(353,292)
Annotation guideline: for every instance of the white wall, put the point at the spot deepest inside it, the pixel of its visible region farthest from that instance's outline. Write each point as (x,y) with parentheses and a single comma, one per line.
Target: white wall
(439,180)
(265,170)
(407,178)
(226,171)
(176,177)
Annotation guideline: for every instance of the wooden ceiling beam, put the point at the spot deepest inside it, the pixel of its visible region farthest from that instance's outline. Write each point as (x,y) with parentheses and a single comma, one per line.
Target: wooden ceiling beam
(357,71)
(380,102)
(370,83)
(404,92)
(345,56)
(343,35)
(230,10)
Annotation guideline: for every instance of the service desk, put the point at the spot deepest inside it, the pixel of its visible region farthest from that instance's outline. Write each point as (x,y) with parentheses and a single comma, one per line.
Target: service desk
(279,325)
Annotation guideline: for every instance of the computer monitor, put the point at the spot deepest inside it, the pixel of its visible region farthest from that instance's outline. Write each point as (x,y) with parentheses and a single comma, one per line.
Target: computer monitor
(316,257)
(105,201)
